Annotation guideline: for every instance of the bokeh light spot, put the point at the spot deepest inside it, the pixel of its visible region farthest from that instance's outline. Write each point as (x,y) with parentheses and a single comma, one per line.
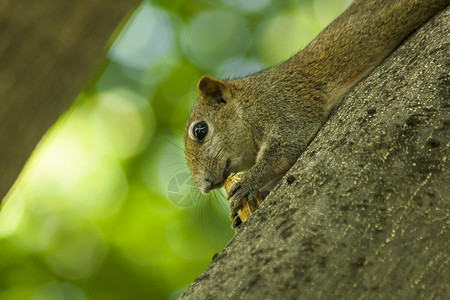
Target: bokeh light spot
(283,35)
(214,36)
(75,251)
(122,122)
(326,11)
(147,38)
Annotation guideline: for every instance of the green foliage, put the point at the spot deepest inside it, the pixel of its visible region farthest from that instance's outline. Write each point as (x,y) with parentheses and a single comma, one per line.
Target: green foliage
(105,208)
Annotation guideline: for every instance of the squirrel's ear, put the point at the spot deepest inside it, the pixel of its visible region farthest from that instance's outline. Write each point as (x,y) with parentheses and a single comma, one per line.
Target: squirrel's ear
(214,89)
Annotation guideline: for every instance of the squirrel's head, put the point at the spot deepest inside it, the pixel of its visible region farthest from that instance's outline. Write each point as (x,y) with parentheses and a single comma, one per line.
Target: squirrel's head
(217,141)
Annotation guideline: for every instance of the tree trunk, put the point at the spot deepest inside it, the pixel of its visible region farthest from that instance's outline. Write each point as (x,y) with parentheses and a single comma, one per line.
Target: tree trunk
(47,51)
(365,211)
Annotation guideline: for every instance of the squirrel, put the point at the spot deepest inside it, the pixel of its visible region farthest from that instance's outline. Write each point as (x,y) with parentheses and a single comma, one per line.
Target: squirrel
(263,122)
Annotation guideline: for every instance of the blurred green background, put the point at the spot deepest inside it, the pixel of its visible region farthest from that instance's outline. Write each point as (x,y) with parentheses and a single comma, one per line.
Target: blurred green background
(105,208)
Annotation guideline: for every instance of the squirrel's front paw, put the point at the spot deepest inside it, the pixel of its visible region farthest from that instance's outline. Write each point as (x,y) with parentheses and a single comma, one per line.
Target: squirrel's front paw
(240,191)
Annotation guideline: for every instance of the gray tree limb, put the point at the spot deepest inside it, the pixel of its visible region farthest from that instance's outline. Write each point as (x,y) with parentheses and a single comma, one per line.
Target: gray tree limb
(48,50)
(365,211)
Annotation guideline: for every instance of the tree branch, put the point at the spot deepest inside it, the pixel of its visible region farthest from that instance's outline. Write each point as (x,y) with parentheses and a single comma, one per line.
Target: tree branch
(47,51)
(365,212)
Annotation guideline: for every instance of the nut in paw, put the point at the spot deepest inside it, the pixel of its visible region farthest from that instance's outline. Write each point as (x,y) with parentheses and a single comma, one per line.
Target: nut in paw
(238,196)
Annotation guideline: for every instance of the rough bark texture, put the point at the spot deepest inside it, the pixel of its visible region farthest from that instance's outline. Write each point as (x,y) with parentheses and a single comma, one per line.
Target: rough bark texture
(48,49)
(365,212)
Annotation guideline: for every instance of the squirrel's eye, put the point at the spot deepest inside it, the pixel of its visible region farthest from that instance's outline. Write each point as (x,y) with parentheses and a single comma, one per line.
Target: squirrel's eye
(200,130)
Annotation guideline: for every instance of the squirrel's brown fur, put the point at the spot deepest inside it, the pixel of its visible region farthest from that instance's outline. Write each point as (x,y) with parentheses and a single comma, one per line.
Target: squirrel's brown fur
(263,122)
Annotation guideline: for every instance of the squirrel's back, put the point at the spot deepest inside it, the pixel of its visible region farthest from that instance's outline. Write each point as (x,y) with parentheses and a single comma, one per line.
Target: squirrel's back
(372,29)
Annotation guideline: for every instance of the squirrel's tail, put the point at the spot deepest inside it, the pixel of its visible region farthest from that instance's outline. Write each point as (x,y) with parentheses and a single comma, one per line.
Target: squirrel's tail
(358,40)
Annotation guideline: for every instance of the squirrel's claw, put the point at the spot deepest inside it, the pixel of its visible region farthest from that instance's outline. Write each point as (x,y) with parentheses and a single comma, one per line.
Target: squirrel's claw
(235,205)
(233,190)
(238,193)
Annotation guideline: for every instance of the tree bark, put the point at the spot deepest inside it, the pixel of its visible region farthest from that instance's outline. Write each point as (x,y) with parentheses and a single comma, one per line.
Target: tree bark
(365,211)
(47,51)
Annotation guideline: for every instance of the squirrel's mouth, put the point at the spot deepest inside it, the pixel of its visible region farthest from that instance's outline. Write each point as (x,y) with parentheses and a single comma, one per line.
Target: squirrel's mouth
(209,185)
(217,185)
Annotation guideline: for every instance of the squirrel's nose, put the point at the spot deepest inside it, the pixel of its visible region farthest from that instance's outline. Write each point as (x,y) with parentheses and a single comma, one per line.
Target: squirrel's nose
(205,188)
